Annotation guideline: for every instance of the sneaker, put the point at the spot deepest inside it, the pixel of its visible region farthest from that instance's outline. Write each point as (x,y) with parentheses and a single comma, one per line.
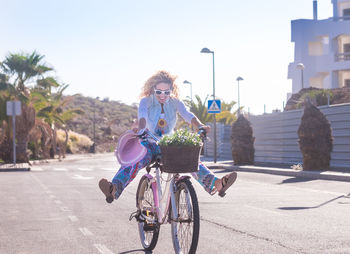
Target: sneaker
(108,189)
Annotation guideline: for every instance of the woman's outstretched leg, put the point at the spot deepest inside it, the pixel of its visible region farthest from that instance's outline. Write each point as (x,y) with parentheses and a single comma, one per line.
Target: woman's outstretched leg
(211,183)
(126,174)
(206,178)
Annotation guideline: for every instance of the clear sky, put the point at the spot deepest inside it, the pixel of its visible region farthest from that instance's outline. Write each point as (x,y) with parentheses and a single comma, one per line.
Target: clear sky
(108,48)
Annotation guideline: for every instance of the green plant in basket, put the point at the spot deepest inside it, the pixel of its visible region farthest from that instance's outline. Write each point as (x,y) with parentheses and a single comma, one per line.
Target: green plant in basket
(181,137)
(180,152)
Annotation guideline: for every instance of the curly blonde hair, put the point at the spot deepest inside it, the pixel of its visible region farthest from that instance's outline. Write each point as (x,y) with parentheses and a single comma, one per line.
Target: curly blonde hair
(160,77)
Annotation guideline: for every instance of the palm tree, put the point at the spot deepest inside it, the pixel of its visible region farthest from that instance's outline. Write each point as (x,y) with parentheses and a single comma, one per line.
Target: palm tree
(199,108)
(4,95)
(226,116)
(21,70)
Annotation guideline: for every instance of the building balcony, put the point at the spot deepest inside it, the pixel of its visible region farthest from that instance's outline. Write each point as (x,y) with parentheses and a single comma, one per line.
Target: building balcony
(342,57)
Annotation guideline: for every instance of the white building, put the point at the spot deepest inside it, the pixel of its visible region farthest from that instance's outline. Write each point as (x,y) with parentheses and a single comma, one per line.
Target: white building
(322,49)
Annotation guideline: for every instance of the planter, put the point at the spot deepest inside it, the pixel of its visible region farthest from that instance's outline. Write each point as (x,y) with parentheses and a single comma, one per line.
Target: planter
(180,159)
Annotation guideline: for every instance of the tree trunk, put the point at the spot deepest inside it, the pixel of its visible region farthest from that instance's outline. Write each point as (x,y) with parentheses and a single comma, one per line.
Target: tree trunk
(54,142)
(24,123)
(64,148)
(5,143)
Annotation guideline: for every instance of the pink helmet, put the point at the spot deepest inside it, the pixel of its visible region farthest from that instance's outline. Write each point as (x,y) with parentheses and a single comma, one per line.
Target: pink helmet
(129,149)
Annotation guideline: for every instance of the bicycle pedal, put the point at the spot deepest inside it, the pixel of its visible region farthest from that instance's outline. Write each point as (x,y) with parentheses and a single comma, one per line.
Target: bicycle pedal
(135,215)
(149,226)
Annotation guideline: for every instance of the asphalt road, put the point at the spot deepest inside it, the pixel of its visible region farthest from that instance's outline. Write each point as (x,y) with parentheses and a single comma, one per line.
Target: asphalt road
(58,208)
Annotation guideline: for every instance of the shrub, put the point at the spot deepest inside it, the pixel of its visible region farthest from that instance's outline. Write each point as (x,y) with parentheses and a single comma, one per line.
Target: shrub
(242,141)
(317,97)
(76,142)
(315,139)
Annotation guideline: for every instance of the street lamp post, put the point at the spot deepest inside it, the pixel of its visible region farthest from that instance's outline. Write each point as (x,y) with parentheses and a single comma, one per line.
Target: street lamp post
(94,125)
(188,82)
(238,100)
(94,130)
(301,67)
(206,50)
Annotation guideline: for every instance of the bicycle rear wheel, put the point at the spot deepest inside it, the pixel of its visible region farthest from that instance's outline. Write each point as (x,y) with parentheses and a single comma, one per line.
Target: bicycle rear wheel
(148,224)
(185,229)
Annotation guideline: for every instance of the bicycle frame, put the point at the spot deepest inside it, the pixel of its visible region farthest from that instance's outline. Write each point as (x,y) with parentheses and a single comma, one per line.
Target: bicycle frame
(161,205)
(163,198)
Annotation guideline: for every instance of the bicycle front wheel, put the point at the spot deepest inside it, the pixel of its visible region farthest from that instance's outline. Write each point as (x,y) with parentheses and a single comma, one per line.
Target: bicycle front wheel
(185,228)
(148,224)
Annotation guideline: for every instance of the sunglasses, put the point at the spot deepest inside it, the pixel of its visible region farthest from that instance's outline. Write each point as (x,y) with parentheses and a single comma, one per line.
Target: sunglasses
(159,92)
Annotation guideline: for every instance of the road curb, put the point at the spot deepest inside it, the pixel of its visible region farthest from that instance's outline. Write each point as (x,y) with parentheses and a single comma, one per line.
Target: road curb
(324,175)
(14,169)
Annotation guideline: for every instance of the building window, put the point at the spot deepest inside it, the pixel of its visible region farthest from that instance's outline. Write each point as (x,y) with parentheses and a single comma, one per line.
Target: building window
(346,48)
(346,14)
(347,82)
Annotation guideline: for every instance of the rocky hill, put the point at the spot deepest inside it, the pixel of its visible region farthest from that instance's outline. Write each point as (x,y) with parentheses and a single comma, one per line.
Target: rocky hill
(111,119)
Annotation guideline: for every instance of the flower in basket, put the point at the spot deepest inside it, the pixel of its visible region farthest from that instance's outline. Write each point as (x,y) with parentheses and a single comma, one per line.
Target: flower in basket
(182,137)
(180,152)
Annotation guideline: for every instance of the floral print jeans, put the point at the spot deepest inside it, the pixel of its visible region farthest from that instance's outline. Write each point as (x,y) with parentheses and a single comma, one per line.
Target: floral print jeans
(127,173)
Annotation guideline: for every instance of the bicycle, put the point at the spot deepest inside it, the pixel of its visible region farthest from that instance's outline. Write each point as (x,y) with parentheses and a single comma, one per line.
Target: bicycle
(176,204)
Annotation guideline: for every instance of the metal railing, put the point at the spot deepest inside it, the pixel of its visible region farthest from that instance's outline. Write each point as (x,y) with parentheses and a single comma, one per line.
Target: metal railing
(342,57)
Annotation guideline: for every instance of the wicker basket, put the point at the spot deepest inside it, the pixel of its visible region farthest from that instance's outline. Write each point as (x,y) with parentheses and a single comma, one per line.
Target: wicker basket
(180,159)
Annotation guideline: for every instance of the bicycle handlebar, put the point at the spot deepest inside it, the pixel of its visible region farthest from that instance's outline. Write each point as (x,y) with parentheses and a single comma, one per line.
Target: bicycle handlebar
(143,133)
(202,133)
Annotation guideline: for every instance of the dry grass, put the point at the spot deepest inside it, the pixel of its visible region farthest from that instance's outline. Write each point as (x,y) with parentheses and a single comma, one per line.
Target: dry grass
(77,143)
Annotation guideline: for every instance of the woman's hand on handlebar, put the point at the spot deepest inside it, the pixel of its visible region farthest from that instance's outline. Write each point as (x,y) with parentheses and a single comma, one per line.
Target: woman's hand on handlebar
(206,128)
(203,131)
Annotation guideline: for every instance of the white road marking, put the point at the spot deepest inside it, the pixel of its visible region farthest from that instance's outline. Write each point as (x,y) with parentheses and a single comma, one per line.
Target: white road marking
(52,196)
(48,191)
(85,231)
(60,169)
(109,169)
(266,210)
(73,218)
(85,169)
(80,177)
(102,249)
(58,202)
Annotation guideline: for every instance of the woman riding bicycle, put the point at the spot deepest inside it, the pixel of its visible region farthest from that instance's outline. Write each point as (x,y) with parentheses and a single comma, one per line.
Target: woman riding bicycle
(157,112)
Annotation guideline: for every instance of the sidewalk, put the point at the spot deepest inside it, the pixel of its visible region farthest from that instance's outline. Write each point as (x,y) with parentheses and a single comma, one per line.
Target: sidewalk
(10,167)
(227,165)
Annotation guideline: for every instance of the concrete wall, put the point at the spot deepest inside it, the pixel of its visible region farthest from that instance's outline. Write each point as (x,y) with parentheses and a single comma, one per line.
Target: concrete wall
(276,138)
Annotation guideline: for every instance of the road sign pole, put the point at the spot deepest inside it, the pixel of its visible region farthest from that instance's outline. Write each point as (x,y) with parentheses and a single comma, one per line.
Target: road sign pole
(13,108)
(215,138)
(14,131)
(214,107)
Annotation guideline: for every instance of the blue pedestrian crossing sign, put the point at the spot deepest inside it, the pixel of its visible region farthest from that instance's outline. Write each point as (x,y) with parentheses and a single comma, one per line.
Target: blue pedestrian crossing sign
(214,106)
